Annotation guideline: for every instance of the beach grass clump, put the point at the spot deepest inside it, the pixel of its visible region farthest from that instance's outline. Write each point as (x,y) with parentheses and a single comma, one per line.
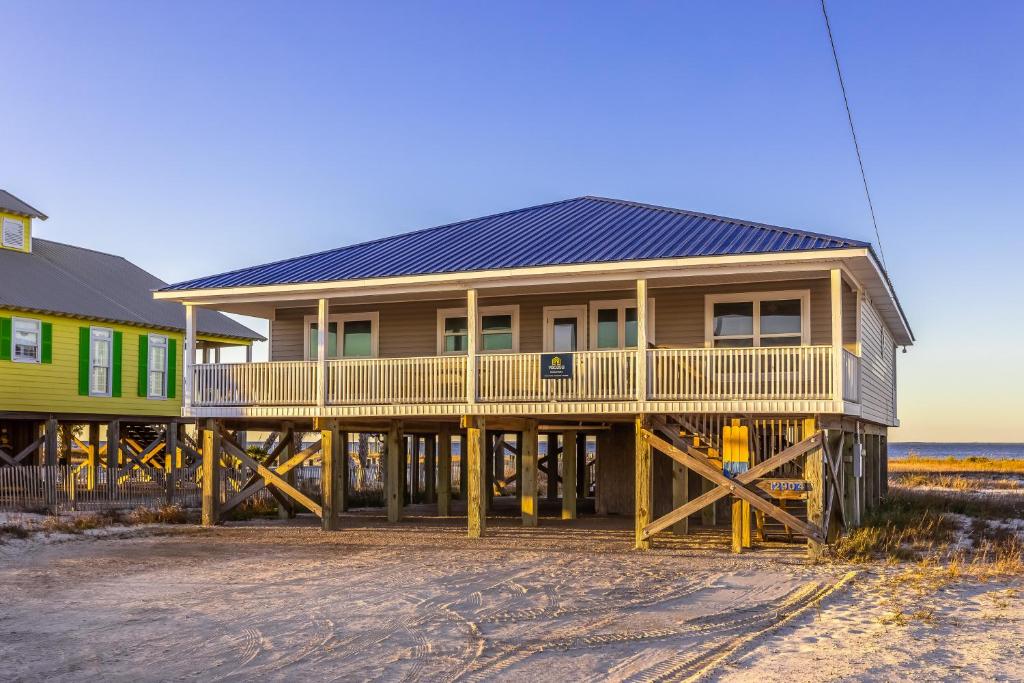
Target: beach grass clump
(254,508)
(974,463)
(81,523)
(961,502)
(899,531)
(165,514)
(12,531)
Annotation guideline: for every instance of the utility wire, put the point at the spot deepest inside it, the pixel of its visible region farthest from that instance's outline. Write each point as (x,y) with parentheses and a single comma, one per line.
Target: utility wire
(853,132)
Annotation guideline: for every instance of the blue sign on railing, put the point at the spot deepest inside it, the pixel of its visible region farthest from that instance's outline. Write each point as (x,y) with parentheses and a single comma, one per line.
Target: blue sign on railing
(556,366)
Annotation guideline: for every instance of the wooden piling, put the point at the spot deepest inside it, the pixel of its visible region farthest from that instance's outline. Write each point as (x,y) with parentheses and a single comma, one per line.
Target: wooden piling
(569,473)
(93,462)
(444,471)
(527,483)
(680,495)
(580,448)
(478,447)
(170,461)
(814,475)
(430,469)
(211,474)
(552,456)
(644,489)
(113,451)
(393,472)
(332,454)
(288,436)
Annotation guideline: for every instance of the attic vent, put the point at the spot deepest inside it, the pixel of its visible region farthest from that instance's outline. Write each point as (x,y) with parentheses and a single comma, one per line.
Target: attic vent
(14,234)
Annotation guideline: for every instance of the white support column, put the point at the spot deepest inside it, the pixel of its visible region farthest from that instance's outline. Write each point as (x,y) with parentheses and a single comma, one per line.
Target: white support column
(321,352)
(472,343)
(189,353)
(641,340)
(837,336)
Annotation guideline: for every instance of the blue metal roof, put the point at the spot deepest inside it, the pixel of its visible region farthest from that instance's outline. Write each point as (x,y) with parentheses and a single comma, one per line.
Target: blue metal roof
(580,230)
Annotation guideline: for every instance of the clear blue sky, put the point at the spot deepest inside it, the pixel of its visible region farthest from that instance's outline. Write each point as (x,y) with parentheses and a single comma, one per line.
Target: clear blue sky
(198,137)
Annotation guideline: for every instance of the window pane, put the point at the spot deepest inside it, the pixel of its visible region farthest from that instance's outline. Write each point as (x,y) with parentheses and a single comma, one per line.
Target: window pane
(608,328)
(780,341)
(456,343)
(157,358)
(564,334)
(496,323)
(332,341)
(734,343)
(456,325)
(156,383)
(734,319)
(98,380)
(780,317)
(631,328)
(101,352)
(26,340)
(358,341)
(497,341)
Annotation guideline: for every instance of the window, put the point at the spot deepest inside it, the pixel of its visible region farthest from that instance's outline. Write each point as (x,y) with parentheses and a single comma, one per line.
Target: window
(358,335)
(498,330)
(760,319)
(13,233)
(157,380)
(101,355)
(614,324)
(26,341)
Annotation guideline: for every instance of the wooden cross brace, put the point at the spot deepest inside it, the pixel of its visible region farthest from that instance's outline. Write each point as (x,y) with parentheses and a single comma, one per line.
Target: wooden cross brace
(272,477)
(24,452)
(738,487)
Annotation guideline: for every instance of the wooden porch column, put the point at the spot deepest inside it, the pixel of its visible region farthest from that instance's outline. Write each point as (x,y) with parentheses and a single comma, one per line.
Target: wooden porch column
(552,456)
(331,473)
(211,473)
(641,340)
(472,344)
(113,461)
(569,474)
(393,472)
(477,448)
(94,455)
(430,468)
(321,352)
(170,460)
(189,353)
(527,483)
(644,489)
(444,471)
(836,290)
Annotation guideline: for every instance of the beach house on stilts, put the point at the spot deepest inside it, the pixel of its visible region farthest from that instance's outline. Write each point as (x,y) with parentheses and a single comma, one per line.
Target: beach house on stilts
(706,358)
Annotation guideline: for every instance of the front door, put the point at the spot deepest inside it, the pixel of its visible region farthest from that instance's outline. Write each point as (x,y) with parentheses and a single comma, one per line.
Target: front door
(565,328)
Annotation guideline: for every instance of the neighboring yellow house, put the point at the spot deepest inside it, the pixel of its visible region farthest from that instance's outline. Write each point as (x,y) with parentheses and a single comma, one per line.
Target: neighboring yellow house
(83,342)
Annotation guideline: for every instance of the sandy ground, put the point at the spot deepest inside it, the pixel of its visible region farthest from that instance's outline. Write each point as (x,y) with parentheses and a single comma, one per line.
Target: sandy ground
(422,602)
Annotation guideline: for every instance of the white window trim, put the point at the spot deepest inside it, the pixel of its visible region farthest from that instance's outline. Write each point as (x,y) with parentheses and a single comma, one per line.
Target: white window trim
(578,311)
(24,233)
(340,319)
(149,368)
(621,305)
(443,313)
(39,340)
(110,370)
(803,295)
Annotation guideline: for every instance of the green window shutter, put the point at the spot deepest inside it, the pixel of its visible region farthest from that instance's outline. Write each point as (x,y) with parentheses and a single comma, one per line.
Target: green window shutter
(143,365)
(115,384)
(46,352)
(5,338)
(83,361)
(172,367)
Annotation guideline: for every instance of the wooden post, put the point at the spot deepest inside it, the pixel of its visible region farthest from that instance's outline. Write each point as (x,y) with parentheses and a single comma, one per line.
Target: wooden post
(836,291)
(393,472)
(519,466)
(444,471)
(552,455)
(288,434)
(814,474)
(527,483)
(641,340)
(113,450)
(211,474)
(331,451)
(581,466)
(51,476)
(709,515)
(322,323)
(488,472)
(170,458)
(94,455)
(344,471)
(189,353)
(644,489)
(430,468)
(569,474)
(477,447)
(472,344)
(680,495)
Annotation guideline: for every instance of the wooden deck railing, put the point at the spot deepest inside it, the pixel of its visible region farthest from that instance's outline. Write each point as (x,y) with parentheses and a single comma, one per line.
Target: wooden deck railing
(597,376)
(781,373)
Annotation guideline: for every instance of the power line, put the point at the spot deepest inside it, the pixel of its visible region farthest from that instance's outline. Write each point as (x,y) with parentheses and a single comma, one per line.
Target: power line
(853,132)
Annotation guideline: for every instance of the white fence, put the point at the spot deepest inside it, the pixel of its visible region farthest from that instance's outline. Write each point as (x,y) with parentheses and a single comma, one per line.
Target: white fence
(61,488)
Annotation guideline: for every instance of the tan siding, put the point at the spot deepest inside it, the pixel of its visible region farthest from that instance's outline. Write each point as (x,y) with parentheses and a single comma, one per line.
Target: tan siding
(410,328)
(877,368)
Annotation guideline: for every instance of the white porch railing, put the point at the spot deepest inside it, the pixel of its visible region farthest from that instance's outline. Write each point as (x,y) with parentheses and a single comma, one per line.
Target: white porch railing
(782,373)
(382,381)
(279,383)
(790,372)
(851,377)
(596,376)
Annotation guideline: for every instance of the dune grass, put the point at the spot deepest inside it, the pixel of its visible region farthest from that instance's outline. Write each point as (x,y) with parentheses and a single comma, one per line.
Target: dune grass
(915,463)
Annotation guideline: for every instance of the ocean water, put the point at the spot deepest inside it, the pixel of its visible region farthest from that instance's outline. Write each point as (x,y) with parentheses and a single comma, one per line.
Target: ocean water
(957,450)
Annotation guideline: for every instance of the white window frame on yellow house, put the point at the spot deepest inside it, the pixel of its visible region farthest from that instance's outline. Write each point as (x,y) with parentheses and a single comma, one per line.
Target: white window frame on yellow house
(105,334)
(620,306)
(756,299)
(156,341)
(26,322)
(485,311)
(9,226)
(553,313)
(340,319)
